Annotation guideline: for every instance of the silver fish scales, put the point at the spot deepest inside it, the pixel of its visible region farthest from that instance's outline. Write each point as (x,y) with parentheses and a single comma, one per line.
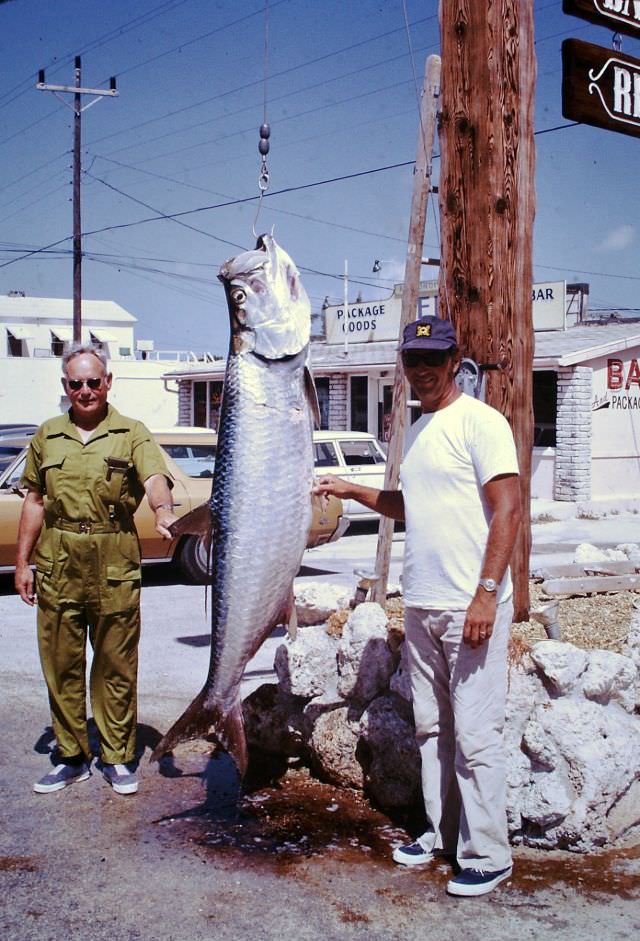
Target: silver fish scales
(260,508)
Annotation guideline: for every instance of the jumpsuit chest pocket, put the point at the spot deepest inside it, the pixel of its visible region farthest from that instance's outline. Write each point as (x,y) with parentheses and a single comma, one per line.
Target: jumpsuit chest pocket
(115,483)
(51,469)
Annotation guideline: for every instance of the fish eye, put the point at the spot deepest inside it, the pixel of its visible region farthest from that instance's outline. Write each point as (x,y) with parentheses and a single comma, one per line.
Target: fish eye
(238,296)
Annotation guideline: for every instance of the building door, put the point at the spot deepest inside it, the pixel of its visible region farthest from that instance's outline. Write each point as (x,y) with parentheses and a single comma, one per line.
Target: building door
(385,399)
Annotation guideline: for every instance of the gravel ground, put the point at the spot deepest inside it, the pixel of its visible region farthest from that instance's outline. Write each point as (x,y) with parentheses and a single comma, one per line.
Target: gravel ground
(597,622)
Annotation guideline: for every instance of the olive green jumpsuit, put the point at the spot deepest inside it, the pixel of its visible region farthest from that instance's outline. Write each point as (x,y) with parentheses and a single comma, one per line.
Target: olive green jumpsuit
(88,575)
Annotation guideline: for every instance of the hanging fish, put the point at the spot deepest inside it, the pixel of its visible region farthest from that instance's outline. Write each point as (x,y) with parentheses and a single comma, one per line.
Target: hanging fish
(260,508)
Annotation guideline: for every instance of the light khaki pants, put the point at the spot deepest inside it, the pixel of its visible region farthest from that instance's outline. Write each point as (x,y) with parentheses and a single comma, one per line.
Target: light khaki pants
(459,702)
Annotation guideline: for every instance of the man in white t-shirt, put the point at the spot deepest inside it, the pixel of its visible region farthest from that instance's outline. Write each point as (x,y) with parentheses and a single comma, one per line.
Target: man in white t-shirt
(460,500)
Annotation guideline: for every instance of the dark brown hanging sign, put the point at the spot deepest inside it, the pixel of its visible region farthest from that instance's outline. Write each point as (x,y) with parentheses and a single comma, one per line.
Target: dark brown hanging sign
(621,15)
(600,87)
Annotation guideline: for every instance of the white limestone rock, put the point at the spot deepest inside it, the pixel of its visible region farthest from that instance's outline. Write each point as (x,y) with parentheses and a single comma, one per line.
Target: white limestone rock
(610,677)
(389,753)
(577,803)
(317,601)
(561,664)
(585,552)
(631,648)
(333,743)
(365,661)
(630,549)
(306,666)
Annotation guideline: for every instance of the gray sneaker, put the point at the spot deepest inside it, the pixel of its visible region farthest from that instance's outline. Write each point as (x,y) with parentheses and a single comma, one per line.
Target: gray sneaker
(121,778)
(62,776)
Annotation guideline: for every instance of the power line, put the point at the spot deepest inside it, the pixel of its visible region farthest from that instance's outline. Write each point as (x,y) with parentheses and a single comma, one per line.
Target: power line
(258,82)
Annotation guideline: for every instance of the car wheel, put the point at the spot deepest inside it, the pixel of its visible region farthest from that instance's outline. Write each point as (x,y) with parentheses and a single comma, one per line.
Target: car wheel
(193,560)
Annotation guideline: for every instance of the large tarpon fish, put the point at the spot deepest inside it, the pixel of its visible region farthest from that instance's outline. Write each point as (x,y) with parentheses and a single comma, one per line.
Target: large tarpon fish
(260,508)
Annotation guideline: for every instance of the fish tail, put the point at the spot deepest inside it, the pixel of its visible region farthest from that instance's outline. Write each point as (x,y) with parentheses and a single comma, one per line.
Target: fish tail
(200,720)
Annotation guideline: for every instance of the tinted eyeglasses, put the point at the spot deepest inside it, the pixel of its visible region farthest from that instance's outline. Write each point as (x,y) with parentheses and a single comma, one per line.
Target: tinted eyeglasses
(76,384)
(414,358)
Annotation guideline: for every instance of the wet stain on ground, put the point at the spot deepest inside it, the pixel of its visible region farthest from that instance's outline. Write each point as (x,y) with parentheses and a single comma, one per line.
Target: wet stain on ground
(293,818)
(296,817)
(612,872)
(17,864)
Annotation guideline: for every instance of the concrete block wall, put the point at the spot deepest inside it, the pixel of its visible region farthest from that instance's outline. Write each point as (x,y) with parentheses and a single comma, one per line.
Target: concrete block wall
(338,401)
(572,479)
(184,402)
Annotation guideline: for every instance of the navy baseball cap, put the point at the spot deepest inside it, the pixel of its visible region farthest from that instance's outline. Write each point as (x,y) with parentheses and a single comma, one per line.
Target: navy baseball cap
(429,333)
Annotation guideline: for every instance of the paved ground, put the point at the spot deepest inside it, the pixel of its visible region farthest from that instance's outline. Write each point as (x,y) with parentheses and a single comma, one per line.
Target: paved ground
(191,858)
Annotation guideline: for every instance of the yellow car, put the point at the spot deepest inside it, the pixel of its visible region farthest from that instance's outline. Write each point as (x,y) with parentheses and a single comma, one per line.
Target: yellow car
(190,455)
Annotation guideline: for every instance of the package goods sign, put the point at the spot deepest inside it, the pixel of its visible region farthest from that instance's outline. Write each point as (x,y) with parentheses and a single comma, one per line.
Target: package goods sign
(600,87)
(621,15)
(369,321)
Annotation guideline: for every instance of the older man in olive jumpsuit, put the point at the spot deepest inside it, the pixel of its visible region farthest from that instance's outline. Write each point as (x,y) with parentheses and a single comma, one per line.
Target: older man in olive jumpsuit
(86,473)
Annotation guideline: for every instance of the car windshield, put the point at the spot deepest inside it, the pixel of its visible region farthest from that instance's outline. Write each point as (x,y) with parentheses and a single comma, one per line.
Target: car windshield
(362,452)
(194,460)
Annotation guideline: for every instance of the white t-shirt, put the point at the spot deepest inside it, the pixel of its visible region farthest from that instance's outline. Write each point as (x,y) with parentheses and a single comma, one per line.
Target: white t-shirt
(449,456)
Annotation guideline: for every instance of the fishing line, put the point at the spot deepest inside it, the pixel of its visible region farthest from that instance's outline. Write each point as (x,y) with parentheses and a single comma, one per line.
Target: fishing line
(265,130)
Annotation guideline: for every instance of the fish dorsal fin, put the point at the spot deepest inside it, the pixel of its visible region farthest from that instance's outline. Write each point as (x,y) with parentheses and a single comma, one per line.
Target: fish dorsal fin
(312,396)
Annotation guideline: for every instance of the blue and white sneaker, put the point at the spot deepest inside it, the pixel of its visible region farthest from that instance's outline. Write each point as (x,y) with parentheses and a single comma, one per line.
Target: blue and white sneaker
(121,778)
(414,854)
(62,775)
(476,881)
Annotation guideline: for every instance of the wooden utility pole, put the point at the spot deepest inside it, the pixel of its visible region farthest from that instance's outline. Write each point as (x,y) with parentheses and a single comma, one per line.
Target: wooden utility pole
(487,206)
(77,91)
(410,292)
(77,218)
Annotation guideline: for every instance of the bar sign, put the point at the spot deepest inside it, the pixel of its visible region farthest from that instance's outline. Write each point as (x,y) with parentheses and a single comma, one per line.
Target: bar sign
(620,15)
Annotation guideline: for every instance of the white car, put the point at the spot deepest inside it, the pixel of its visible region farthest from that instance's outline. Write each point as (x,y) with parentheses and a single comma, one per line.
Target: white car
(356,456)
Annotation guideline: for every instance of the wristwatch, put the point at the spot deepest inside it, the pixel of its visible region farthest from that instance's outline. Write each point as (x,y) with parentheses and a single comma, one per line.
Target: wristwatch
(489,584)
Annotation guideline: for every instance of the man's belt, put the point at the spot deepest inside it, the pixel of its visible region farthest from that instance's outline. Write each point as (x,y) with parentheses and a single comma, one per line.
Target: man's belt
(84,526)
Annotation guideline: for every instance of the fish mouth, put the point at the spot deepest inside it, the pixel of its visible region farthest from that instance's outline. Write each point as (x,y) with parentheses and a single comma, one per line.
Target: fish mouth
(268,305)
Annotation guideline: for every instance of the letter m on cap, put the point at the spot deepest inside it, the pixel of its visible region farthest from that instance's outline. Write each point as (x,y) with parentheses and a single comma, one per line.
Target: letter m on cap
(424,330)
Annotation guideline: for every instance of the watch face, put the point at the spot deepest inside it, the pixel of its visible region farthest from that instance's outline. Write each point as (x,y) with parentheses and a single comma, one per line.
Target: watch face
(489,584)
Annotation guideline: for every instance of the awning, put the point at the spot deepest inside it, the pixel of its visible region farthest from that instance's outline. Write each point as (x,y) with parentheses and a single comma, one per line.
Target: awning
(62,333)
(20,332)
(102,336)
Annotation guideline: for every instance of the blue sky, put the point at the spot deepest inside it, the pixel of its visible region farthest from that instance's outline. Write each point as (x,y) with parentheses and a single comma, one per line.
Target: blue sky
(182,137)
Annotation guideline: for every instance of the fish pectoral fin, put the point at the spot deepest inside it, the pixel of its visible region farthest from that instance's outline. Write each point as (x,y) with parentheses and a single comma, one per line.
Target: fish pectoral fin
(196,523)
(312,396)
(201,720)
(289,616)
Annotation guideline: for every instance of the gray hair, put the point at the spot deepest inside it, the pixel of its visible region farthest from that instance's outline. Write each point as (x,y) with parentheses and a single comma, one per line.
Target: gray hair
(77,349)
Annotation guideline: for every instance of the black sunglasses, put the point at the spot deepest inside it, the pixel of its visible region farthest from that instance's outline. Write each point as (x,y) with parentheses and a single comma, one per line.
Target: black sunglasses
(414,358)
(76,384)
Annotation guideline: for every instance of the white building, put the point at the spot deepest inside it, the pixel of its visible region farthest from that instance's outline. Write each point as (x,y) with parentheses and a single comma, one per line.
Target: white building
(33,335)
(586,387)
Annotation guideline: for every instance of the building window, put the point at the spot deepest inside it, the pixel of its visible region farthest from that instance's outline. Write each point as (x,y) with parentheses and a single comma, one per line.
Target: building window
(207,402)
(359,404)
(200,404)
(57,345)
(215,404)
(322,388)
(545,408)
